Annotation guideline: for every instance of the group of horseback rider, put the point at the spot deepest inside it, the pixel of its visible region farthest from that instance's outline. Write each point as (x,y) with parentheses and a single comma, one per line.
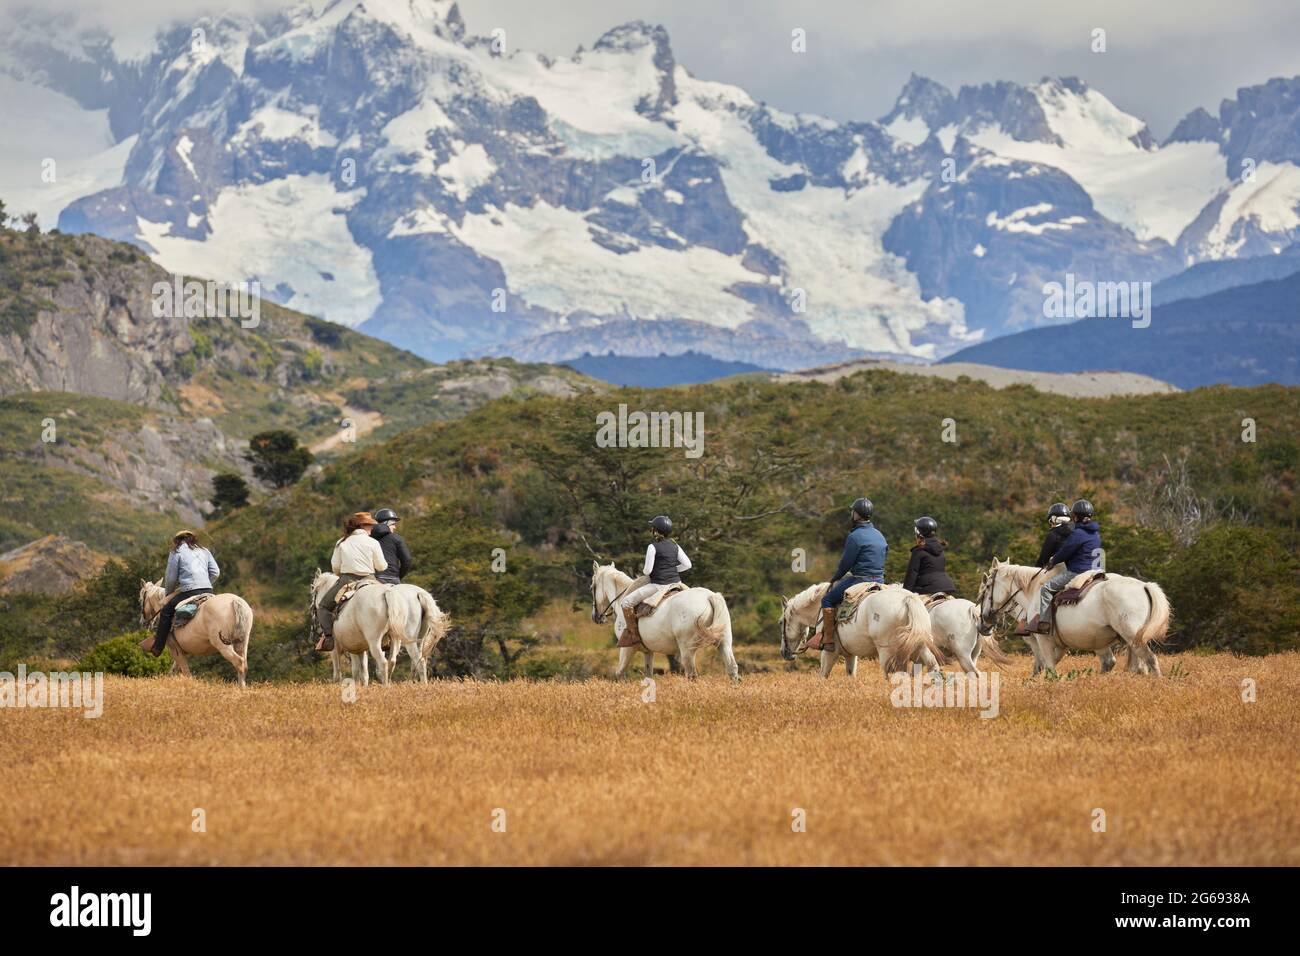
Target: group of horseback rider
(371,548)
(1073,540)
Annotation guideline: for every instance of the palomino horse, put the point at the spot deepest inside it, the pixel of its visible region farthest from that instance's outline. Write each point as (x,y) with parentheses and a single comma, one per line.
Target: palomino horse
(1135,611)
(361,625)
(682,625)
(224,625)
(891,625)
(954,623)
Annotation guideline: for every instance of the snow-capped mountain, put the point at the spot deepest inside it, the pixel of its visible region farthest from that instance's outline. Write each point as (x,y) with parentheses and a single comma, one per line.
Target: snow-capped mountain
(370,162)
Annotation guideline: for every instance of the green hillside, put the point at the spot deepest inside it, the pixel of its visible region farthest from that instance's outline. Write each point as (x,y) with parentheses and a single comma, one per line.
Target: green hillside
(1182,499)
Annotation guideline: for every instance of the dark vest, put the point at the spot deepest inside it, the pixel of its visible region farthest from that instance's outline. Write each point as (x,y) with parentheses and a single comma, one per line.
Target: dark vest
(665,566)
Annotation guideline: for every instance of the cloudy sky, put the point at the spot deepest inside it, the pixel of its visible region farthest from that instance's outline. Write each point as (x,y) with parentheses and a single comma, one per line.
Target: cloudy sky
(1164,57)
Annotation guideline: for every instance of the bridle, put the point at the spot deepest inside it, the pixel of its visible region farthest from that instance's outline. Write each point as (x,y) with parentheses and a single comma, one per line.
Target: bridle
(992,589)
(601,616)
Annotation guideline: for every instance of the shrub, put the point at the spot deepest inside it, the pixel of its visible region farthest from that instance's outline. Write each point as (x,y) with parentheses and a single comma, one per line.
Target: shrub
(122,655)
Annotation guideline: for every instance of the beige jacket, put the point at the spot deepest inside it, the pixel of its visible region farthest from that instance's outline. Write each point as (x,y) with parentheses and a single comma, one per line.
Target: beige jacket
(358,553)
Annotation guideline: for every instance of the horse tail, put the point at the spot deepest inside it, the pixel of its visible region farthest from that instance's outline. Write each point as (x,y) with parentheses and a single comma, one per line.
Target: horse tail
(715,628)
(434,623)
(1157,622)
(914,636)
(988,644)
(243,615)
(396,620)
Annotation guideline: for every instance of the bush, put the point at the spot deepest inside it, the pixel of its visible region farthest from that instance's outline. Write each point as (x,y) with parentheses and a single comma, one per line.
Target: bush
(122,655)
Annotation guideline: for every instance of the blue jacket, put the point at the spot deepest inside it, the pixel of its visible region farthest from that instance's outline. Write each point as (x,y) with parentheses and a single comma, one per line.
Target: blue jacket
(189,569)
(864,553)
(1082,549)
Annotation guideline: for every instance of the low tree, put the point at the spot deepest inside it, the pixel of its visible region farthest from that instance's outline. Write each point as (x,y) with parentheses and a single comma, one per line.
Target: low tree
(277,457)
(229,493)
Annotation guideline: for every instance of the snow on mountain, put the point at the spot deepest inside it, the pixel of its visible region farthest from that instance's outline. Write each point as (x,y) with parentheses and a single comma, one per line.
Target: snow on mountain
(86,156)
(1153,192)
(369,161)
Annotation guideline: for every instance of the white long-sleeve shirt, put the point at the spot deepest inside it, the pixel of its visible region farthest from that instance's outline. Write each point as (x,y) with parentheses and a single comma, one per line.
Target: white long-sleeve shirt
(683,562)
(358,553)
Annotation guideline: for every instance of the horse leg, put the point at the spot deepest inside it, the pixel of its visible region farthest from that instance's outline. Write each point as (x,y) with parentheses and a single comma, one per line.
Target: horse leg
(624,658)
(1107,658)
(418,671)
(687,654)
(729,660)
(360,669)
(828,662)
(381,661)
(649,664)
(178,658)
(851,665)
(931,662)
(232,656)
(965,658)
(884,660)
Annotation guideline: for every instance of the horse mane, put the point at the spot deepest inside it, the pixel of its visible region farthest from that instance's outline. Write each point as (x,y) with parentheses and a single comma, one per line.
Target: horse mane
(814,592)
(1022,574)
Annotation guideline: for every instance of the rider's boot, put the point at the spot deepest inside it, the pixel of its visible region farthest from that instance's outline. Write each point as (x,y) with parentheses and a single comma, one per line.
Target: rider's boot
(326,624)
(824,640)
(630,637)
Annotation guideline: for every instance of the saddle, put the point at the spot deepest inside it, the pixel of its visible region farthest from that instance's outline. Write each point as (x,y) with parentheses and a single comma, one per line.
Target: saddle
(648,606)
(187,610)
(1079,585)
(853,597)
(930,600)
(350,589)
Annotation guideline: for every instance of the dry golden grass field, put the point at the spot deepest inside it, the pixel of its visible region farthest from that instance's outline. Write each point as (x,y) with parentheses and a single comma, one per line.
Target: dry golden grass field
(587,773)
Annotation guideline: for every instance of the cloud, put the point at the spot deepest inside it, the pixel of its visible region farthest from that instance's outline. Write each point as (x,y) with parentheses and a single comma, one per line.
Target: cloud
(1163,58)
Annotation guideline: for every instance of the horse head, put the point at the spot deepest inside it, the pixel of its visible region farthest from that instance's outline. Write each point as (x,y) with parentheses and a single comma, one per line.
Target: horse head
(787,650)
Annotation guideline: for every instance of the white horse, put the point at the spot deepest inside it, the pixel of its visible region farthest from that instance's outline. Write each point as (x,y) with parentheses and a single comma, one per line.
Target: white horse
(955,624)
(224,625)
(365,619)
(1135,611)
(426,625)
(891,625)
(681,625)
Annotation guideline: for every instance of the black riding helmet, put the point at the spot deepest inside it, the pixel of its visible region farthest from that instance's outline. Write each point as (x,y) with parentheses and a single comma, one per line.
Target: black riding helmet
(663,524)
(1059,510)
(1082,510)
(385,514)
(926,526)
(863,508)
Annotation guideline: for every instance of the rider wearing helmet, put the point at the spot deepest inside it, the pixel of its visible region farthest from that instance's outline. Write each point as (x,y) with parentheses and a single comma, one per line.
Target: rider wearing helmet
(863,560)
(1058,517)
(396,553)
(664,563)
(1080,552)
(925,570)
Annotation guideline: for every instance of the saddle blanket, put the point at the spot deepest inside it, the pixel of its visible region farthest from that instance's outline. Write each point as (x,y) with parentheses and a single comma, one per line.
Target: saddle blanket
(853,597)
(647,607)
(351,588)
(187,609)
(930,600)
(1079,585)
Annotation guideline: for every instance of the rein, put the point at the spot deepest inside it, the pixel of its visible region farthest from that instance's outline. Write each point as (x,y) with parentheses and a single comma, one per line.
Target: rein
(993,580)
(602,615)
